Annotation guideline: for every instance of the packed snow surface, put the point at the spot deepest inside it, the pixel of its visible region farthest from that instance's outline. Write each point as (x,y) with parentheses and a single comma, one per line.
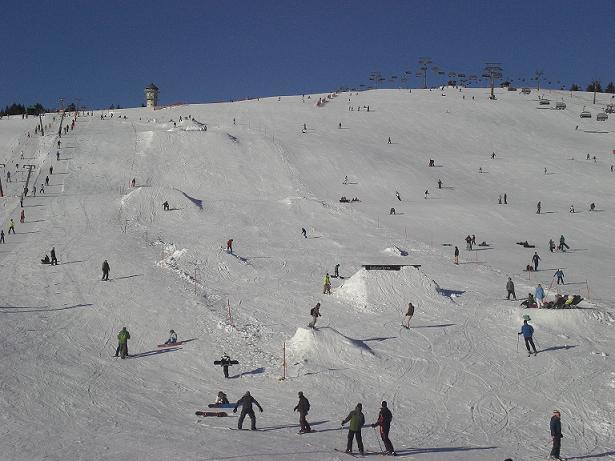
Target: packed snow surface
(459,384)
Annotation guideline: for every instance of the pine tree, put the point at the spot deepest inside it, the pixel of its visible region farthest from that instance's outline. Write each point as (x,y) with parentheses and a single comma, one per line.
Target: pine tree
(574,87)
(610,88)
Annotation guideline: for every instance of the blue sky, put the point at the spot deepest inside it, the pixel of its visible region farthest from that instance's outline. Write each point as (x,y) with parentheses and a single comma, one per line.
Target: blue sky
(106,52)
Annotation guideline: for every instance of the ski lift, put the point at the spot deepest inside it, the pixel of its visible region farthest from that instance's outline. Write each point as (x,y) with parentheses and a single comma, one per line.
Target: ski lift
(602,117)
(560,105)
(585,114)
(544,102)
(526,90)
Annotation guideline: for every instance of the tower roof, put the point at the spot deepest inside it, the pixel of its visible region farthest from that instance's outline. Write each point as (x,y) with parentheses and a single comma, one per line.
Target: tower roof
(151,86)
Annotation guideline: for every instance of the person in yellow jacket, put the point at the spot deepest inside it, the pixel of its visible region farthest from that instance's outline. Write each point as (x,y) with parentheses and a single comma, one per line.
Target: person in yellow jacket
(122,346)
(327,285)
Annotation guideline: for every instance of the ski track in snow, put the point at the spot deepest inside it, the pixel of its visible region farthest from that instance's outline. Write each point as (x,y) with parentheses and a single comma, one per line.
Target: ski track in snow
(457,386)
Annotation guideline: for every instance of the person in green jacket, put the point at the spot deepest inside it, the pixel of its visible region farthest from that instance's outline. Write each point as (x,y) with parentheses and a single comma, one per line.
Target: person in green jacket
(122,346)
(327,284)
(357,421)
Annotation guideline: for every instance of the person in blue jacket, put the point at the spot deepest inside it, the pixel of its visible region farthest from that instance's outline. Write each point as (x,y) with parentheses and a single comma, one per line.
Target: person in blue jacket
(539,294)
(528,331)
(560,276)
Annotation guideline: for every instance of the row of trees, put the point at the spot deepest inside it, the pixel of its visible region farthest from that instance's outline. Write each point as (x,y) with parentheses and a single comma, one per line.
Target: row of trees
(19,109)
(595,86)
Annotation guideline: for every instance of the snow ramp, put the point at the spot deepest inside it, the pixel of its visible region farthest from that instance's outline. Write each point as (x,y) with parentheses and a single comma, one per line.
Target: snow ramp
(381,290)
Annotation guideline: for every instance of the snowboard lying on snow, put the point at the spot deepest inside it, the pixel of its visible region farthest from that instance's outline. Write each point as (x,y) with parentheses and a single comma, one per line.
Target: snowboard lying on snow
(211,413)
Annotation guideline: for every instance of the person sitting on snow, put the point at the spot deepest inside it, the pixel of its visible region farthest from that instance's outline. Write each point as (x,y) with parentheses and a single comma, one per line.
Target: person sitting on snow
(222,399)
(46,260)
(173,338)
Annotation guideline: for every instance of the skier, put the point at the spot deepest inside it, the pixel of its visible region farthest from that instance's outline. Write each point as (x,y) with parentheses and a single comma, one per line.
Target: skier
(173,338)
(500,199)
(336,273)
(397,195)
(505,202)
(105,270)
(165,206)
(42,191)
(246,409)
(456,255)
(357,420)
(556,433)
(560,276)
(408,317)
(384,421)
(345,180)
(221,399)
(303,407)
(473,239)
(439,184)
(58,155)
(225,362)
(51,170)
(426,193)
(22,216)
(545,170)
(327,285)
(592,206)
(571,210)
(229,246)
(389,140)
(304,232)
(538,205)
(339,125)
(11,226)
(392,211)
(528,331)
(315,313)
(551,245)
(8,176)
(54,260)
(510,288)
(535,260)
(539,294)
(468,243)
(1,235)
(562,243)
(122,346)
(46,180)
(492,155)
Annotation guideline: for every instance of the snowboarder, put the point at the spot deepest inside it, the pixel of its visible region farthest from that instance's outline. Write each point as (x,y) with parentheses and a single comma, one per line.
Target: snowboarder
(304,232)
(456,255)
(384,421)
(225,362)
(571,210)
(397,195)
(221,399)
(439,184)
(592,206)
(165,206)
(357,420)
(538,206)
(51,170)
(1,235)
(539,294)
(105,270)
(505,202)
(408,317)
(246,409)
(551,245)
(11,226)
(510,288)
(122,346)
(528,331)
(303,407)
(389,140)
(229,246)
(46,180)
(336,273)
(556,433)
(426,193)
(346,180)
(327,284)
(562,243)
(315,313)
(492,155)
(58,155)
(22,216)
(535,260)
(173,338)
(54,260)
(560,276)
(392,211)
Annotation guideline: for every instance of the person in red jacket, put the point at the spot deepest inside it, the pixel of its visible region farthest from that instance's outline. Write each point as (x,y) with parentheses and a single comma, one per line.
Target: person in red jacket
(384,421)
(229,246)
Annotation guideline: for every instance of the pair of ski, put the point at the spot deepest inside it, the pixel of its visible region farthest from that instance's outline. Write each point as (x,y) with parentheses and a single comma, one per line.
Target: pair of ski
(366,453)
(529,354)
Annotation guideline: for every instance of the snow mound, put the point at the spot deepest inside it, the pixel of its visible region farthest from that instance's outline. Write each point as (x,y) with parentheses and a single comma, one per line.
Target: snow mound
(395,251)
(311,351)
(373,290)
(189,125)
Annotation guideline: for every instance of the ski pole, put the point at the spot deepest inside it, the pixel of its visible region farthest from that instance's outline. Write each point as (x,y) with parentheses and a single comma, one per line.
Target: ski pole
(518,336)
(379,444)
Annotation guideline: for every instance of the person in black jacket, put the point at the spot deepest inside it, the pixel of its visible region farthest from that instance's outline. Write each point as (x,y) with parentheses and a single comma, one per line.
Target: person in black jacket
(510,288)
(246,409)
(556,434)
(105,270)
(384,421)
(303,407)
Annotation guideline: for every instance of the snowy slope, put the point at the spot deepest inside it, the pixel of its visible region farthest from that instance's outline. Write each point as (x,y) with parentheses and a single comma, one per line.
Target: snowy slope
(456,385)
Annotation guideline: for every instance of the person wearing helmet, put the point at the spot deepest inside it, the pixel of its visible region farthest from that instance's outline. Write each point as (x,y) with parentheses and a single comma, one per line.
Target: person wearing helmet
(246,409)
(357,420)
(384,421)
(303,407)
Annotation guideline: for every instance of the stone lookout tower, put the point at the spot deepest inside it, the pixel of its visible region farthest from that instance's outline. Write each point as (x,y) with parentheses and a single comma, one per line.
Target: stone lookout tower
(151,95)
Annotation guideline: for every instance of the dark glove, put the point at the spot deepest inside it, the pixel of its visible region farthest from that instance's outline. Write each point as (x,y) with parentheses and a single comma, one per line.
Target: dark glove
(261,410)
(518,333)
(342,423)
(234,410)
(373,425)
